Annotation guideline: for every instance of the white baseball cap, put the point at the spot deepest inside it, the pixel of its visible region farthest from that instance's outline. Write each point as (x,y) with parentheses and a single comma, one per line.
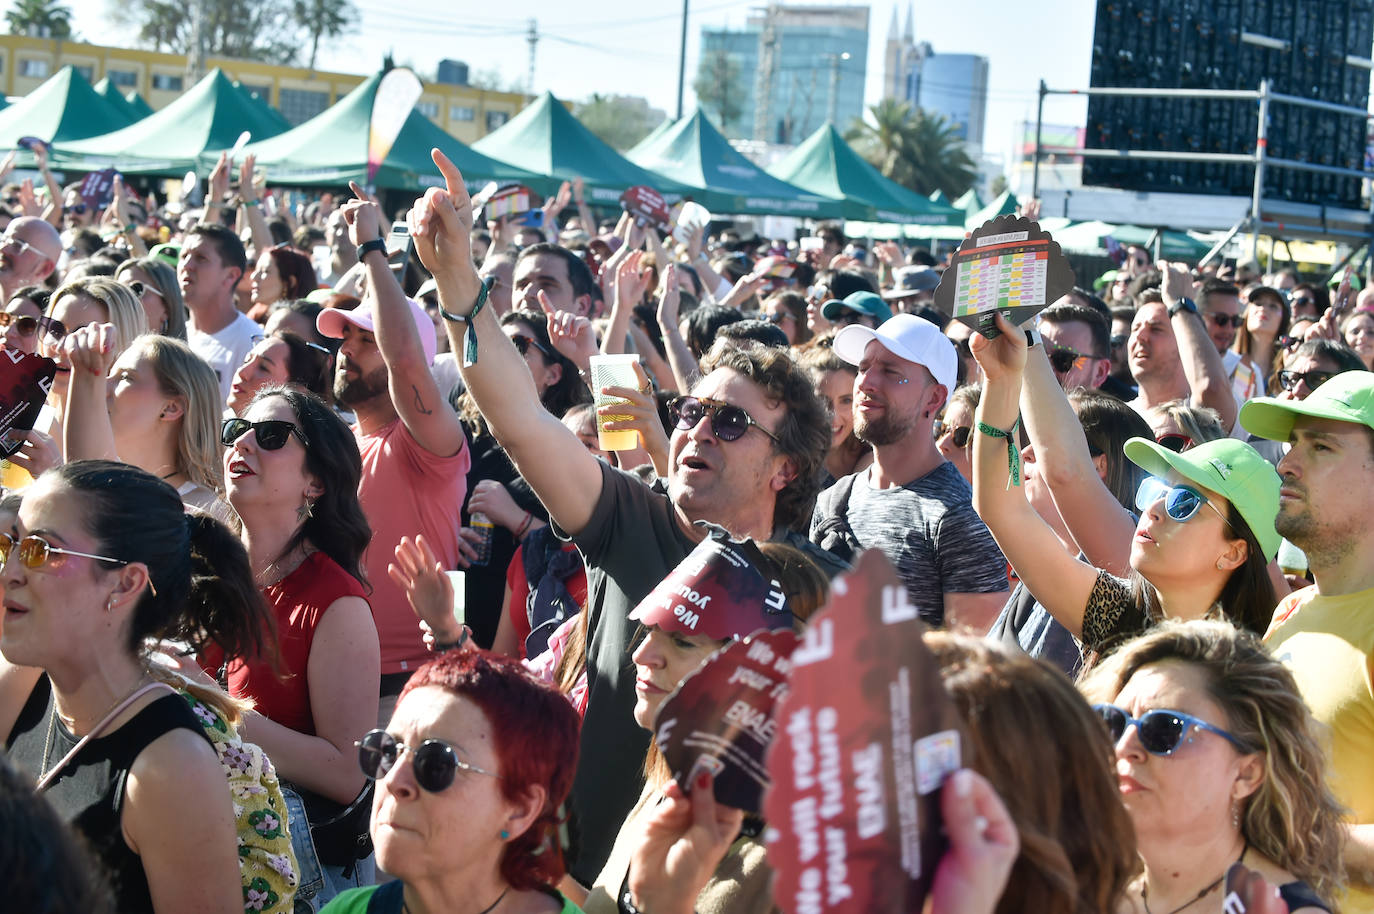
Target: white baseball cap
(908,337)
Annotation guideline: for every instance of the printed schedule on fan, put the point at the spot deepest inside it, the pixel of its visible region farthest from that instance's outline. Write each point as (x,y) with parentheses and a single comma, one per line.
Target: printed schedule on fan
(1001,271)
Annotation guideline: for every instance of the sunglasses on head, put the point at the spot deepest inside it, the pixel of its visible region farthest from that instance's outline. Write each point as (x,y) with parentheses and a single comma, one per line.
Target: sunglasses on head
(1288,380)
(1064,359)
(1181,502)
(1226,320)
(523,344)
(27,326)
(270,433)
(728,422)
(435,762)
(1160,732)
(961,433)
(1174,441)
(35,552)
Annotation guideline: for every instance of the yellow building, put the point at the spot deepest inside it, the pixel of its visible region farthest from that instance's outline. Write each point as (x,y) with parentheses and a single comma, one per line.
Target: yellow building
(466,112)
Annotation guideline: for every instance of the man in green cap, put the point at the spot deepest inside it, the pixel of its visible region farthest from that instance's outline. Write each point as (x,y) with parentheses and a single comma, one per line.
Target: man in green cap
(1325,633)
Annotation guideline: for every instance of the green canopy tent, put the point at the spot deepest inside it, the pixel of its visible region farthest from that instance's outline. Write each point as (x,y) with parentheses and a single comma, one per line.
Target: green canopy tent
(826,165)
(969,201)
(1004,204)
(107,90)
(265,106)
(205,119)
(62,109)
(694,153)
(141,107)
(651,141)
(546,139)
(938,196)
(330,149)
(1090,238)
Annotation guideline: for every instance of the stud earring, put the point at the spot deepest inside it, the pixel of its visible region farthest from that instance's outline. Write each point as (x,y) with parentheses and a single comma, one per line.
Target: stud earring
(1220,565)
(505,835)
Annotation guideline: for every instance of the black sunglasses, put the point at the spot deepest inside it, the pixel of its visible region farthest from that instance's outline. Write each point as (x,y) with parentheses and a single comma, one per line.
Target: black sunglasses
(52,328)
(1063,359)
(1226,320)
(1160,732)
(435,762)
(1118,341)
(27,326)
(271,433)
(728,422)
(1288,380)
(523,344)
(961,433)
(78,208)
(1298,301)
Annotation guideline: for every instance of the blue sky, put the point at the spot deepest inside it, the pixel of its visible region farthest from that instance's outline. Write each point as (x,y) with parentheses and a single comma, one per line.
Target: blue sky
(631,46)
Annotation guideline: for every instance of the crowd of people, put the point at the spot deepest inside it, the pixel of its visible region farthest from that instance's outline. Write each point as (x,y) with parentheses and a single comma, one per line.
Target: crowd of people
(345,525)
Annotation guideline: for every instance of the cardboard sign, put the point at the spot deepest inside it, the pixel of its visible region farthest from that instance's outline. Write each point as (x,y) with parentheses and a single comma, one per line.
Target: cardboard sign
(722,718)
(775,268)
(647,206)
(866,737)
(32,143)
(25,380)
(97,190)
(508,201)
(1008,266)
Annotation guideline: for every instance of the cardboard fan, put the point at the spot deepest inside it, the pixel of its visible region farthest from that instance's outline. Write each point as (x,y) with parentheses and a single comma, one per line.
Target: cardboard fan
(866,737)
(647,206)
(1007,265)
(97,190)
(25,380)
(509,201)
(722,718)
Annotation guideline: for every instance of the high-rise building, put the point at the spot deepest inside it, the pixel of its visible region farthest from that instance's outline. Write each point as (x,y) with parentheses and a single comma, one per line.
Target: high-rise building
(954,86)
(794,67)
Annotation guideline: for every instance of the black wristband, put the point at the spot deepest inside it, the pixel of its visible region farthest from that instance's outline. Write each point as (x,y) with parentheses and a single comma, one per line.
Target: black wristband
(367,247)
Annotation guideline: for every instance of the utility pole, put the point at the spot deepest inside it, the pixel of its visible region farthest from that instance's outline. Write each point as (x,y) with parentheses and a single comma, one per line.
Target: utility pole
(763,85)
(195,61)
(835,84)
(682,60)
(532,36)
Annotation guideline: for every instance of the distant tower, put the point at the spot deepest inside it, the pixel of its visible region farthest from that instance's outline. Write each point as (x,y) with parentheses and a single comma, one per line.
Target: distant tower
(894,79)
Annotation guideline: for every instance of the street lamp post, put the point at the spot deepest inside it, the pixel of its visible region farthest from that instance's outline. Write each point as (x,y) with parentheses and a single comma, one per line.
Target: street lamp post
(835,82)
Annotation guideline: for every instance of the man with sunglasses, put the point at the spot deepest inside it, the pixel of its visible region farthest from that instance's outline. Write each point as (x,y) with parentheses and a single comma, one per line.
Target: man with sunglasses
(746,454)
(911,503)
(1325,633)
(415,456)
(29,251)
(1077,342)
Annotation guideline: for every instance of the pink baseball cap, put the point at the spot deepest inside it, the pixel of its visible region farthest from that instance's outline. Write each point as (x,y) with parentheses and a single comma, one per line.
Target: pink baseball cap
(331,323)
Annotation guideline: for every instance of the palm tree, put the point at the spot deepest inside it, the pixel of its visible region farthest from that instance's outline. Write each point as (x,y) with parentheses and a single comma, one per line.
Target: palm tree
(323,19)
(40,19)
(918,150)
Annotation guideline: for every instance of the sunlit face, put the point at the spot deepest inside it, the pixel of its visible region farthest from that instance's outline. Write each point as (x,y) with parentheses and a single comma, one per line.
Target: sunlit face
(255,477)
(1220,313)
(1359,336)
(837,389)
(958,416)
(136,401)
(891,397)
(266,363)
(662,660)
(73,312)
(14,338)
(1165,550)
(1263,315)
(1320,504)
(267,286)
(1152,349)
(154,305)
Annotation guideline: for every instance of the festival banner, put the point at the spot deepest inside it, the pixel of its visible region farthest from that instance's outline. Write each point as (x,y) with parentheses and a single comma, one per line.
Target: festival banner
(396,96)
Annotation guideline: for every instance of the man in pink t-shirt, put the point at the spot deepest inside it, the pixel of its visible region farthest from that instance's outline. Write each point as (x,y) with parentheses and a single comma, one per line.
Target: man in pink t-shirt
(415,458)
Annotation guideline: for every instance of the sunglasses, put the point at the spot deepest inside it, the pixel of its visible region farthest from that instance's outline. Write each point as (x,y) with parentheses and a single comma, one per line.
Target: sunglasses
(776,317)
(523,344)
(1063,360)
(78,208)
(52,328)
(27,326)
(435,762)
(35,552)
(1174,441)
(271,433)
(1298,301)
(1160,732)
(1181,503)
(140,289)
(1288,343)
(1118,341)
(728,422)
(8,240)
(1288,380)
(961,433)
(1226,320)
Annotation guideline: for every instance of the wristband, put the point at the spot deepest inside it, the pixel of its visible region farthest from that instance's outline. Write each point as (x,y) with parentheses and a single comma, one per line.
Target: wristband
(525,527)
(252,203)
(1033,337)
(469,335)
(443,646)
(367,247)
(1013,452)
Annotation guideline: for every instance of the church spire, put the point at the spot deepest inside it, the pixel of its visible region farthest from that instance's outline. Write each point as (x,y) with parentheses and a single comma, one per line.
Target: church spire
(910,35)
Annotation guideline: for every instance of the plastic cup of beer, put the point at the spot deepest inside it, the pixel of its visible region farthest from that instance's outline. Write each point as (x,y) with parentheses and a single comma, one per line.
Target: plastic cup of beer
(614,371)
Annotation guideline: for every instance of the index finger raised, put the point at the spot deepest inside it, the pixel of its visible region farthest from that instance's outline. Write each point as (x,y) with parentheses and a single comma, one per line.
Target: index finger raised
(452,177)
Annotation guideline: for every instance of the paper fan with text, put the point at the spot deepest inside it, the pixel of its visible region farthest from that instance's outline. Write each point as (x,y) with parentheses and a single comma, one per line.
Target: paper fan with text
(1007,265)
(865,738)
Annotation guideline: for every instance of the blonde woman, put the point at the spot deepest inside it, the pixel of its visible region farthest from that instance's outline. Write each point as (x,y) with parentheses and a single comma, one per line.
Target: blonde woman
(154,406)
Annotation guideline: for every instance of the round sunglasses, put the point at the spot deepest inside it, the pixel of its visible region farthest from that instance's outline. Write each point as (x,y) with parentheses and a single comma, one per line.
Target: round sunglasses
(728,422)
(1181,502)
(1160,732)
(25,325)
(270,433)
(435,762)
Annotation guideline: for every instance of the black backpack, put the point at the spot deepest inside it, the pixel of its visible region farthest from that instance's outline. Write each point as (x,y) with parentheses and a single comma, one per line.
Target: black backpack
(833,533)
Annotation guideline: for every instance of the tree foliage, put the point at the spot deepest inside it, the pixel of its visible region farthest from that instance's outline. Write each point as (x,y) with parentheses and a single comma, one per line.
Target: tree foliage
(620,120)
(40,19)
(718,87)
(917,149)
(272,31)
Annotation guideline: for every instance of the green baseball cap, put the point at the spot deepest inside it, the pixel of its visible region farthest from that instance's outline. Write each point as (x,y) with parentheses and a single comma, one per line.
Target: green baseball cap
(171,253)
(864,302)
(1348,397)
(1228,467)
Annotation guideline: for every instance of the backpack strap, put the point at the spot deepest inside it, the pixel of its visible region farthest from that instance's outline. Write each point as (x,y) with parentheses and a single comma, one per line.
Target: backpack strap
(833,533)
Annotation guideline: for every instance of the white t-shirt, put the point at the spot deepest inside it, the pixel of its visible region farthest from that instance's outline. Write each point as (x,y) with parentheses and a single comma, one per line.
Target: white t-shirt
(226,349)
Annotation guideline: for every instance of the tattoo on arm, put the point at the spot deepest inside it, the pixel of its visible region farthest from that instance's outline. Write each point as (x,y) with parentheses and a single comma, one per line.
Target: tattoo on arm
(420,403)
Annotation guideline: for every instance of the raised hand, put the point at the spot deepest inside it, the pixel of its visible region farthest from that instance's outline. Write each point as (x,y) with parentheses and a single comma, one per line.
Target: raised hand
(572,335)
(1178,281)
(683,842)
(219,180)
(91,349)
(889,252)
(441,225)
(631,279)
(669,296)
(1002,356)
(247,189)
(420,575)
(364,217)
(983,843)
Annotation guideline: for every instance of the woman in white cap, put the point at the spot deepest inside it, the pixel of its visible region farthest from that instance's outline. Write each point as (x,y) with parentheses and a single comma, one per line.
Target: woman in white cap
(1202,546)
